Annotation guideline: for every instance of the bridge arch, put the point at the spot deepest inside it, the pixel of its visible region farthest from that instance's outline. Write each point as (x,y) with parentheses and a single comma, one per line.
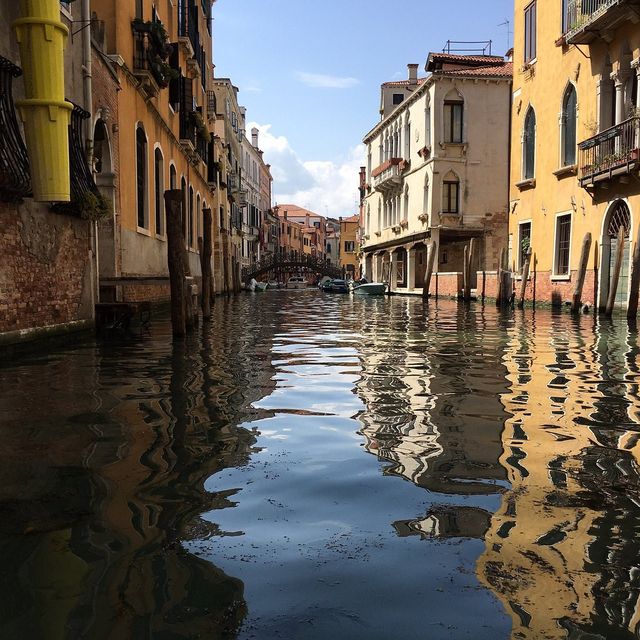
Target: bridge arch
(283,263)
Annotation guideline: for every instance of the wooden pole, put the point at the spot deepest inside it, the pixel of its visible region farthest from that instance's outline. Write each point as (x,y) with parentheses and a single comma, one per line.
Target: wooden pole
(613,288)
(432,250)
(582,271)
(466,291)
(634,285)
(205,263)
(500,293)
(176,260)
(525,278)
(472,252)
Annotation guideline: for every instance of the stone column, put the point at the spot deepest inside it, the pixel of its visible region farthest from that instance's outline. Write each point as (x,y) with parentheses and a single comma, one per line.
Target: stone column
(393,285)
(619,78)
(411,269)
(603,91)
(635,68)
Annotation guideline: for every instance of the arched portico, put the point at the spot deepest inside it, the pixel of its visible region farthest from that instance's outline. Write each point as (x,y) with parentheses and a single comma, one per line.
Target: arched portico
(617,216)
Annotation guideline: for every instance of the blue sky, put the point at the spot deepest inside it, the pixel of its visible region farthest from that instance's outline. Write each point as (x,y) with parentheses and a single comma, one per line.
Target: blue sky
(309,74)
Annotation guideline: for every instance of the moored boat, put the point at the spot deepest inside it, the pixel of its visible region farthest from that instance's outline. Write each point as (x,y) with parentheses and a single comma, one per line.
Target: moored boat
(296,282)
(370,289)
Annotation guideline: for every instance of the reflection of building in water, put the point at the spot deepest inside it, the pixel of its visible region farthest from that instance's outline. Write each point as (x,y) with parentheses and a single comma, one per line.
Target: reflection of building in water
(563,551)
(119,488)
(430,414)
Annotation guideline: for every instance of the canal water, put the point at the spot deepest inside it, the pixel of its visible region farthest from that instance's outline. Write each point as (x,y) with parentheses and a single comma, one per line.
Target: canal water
(314,466)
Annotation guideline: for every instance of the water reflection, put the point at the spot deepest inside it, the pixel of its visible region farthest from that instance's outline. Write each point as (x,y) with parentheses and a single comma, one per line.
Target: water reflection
(562,550)
(105,451)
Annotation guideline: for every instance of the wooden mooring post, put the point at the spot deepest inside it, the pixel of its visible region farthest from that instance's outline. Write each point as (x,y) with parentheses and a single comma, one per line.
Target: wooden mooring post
(525,278)
(205,263)
(176,259)
(500,294)
(582,271)
(613,287)
(432,249)
(634,284)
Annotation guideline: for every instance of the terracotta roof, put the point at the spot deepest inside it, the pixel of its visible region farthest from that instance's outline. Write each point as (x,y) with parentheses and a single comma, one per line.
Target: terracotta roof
(505,70)
(355,218)
(403,83)
(436,59)
(295,210)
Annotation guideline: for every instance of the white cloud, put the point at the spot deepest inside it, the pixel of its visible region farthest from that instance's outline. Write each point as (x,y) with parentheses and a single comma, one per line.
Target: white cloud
(322,81)
(328,187)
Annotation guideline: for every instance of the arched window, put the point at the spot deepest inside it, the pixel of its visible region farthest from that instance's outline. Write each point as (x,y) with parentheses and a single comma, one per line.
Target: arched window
(405,213)
(141,178)
(198,220)
(453,117)
(158,171)
(529,146)
(427,125)
(172,177)
(379,215)
(451,193)
(568,126)
(185,215)
(425,204)
(407,140)
(190,220)
(367,230)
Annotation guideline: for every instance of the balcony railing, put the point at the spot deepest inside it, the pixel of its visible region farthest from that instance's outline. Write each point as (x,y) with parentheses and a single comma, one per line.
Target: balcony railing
(150,55)
(388,176)
(585,19)
(15,179)
(609,154)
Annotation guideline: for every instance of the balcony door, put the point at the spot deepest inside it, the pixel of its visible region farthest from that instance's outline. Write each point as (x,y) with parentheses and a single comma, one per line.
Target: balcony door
(618,216)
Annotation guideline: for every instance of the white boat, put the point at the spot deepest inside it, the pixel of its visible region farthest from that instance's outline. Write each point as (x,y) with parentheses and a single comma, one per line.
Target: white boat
(274,284)
(370,289)
(296,282)
(261,286)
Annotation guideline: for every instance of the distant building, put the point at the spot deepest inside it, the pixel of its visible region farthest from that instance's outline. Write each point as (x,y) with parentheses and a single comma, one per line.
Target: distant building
(437,170)
(308,219)
(349,231)
(332,241)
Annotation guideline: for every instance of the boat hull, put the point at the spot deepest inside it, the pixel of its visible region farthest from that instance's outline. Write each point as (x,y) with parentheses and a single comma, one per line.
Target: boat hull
(370,289)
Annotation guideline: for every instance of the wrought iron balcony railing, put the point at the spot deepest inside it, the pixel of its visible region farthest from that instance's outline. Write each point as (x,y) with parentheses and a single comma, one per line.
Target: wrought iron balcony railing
(613,152)
(15,181)
(585,19)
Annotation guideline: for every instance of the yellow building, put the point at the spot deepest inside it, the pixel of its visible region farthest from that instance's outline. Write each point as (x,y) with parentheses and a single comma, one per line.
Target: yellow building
(575,139)
(161,55)
(349,245)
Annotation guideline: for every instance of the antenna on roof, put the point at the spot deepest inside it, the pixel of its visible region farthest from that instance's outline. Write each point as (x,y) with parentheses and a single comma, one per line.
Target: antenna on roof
(507,23)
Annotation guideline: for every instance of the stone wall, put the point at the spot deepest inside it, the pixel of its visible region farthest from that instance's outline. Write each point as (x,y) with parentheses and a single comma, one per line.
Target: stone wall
(45,268)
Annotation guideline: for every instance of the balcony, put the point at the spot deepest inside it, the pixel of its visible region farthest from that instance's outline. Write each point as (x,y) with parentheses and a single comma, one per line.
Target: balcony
(610,154)
(150,53)
(587,20)
(388,176)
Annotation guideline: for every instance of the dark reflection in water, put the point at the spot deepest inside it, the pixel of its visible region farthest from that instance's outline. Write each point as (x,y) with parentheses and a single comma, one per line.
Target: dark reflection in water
(313,466)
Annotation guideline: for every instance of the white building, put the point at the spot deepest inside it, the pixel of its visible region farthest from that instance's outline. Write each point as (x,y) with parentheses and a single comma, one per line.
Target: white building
(437,169)
(250,198)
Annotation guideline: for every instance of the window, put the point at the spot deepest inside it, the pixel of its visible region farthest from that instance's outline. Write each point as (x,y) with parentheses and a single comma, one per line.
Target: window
(349,246)
(172,177)
(524,242)
(185,217)
(141,178)
(398,98)
(158,166)
(191,225)
(529,146)
(563,244)
(530,32)
(453,112)
(450,195)
(568,126)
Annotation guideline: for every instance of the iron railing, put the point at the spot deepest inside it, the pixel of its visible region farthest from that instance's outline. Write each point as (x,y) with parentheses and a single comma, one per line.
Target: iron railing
(613,151)
(82,181)
(290,260)
(15,177)
(580,13)
(150,58)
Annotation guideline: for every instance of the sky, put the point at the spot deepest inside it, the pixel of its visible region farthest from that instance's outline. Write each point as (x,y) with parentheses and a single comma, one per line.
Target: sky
(309,74)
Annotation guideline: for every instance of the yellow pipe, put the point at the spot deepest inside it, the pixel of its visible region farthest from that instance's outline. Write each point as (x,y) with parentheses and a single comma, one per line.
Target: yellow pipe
(45,112)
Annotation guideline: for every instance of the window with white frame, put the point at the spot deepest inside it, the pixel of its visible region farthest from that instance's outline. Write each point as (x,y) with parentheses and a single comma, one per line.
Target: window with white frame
(453,119)
(568,126)
(141,178)
(524,242)
(563,244)
(529,145)
(451,194)
(158,170)
(530,37)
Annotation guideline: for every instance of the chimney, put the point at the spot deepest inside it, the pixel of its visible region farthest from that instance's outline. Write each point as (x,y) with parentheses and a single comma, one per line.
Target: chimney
(254,137)
(307,220)
(286,214)
(413,73)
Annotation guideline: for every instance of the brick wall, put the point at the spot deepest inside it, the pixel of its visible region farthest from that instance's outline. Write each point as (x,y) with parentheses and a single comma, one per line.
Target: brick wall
(146,292)
(558,292)
(448,285)
(45,268)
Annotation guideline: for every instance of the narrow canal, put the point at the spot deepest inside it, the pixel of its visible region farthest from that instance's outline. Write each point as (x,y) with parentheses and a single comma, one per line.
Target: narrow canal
(312,466)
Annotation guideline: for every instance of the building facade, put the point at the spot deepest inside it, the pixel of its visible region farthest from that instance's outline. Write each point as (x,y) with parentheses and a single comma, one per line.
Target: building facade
(250,199)
(349,247)
(314,224)
(48,198)
(575,140)
(437,170)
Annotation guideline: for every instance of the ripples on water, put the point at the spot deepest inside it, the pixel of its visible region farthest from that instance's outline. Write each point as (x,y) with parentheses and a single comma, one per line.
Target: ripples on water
(314,466)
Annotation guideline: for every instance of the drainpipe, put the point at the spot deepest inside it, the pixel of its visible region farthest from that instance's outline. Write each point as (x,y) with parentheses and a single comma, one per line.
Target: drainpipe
(42,38)
(87,89)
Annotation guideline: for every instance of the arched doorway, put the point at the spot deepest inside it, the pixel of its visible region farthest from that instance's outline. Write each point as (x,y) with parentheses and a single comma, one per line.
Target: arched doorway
(618,216)
(400,268)
(420,250)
